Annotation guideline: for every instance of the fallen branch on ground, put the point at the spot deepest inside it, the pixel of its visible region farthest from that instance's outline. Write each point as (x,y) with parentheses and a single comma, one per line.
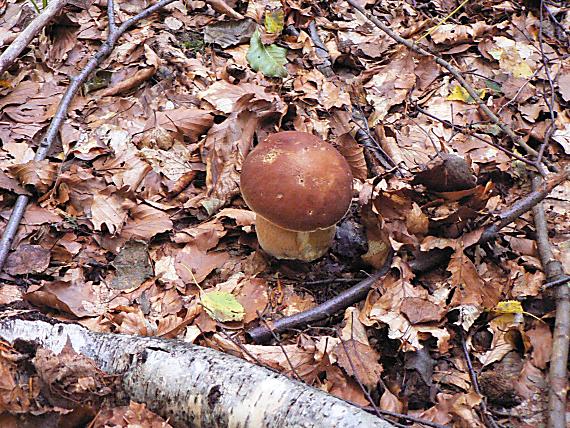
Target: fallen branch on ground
(61,114)
(195,386)
(558,374)
(355,294)
(430,260)
(23,39)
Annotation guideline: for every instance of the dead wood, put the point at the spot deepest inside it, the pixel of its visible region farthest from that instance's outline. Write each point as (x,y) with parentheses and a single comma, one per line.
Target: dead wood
(29,33)
(558,374)
(114,33)
(195,386)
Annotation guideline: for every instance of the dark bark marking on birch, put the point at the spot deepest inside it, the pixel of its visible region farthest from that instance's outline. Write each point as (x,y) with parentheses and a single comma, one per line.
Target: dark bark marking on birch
(214,395)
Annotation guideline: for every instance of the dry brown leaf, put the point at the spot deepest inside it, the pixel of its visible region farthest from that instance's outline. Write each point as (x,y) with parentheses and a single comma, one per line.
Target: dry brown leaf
(139,77)
(359,360)
(204,236)
(354,154)
(145,222)
(110,209)
(38,174)
(194,265)
(389,86)
(28,259)
(189,122)
(390,402)
(253,296)
(470,289)
(71,378)
(540,338)
(420,310)
(8,183)
(343,387)
(75,298)
(241,217)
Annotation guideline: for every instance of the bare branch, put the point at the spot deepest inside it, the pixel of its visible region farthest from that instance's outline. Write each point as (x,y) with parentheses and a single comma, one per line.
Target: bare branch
(263,334)
(61,114)
(23,39)
(29,33)
(561,339)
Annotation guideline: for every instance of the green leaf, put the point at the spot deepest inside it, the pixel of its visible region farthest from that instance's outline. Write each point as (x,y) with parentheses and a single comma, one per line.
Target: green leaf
(270,60)
(274,21)
(222,306)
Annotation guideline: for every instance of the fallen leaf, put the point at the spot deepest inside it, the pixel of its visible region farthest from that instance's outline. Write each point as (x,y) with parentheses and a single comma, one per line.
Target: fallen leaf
(193,264)
(28,259)
(222,306)
(270,60)
(229,33)
(359,360)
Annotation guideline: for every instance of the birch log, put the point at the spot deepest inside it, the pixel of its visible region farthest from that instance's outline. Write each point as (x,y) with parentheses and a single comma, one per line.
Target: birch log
(196,386)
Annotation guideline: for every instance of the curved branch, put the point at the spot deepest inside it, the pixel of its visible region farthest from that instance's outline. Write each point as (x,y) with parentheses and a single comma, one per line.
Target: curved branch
(355,294)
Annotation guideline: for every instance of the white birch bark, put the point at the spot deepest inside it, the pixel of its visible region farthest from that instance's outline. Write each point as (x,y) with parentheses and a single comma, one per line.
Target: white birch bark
(196,386)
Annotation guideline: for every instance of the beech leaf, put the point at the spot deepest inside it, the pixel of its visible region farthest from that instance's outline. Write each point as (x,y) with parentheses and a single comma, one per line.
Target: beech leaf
(222,306)
(270,60)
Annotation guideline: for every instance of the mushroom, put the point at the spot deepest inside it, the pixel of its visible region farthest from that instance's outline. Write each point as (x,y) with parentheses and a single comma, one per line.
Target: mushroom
(299,187)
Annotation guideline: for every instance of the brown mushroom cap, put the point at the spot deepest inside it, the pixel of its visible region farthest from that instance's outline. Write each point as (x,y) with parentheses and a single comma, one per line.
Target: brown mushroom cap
(297,181)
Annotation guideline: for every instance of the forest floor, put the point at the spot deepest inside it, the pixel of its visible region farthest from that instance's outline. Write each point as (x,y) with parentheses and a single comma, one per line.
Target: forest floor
(136,225)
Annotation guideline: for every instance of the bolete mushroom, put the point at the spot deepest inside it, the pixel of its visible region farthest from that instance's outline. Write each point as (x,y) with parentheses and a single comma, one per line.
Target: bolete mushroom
(299,187)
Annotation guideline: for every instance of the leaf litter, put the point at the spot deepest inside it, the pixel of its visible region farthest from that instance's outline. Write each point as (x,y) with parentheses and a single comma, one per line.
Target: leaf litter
(136,224)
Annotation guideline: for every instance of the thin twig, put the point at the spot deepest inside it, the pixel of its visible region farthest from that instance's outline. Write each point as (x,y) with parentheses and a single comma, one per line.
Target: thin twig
(23,39)
(454,71)
(331,281)
(523,205)
(550,104)
(111,16)
(61,114)
(487,416)
(562,281)
(245,350)
(364,136)
(280,345)
(558,374)
(466,130)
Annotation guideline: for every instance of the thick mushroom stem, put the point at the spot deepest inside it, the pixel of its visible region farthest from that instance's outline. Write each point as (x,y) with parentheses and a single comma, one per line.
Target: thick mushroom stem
(289,244)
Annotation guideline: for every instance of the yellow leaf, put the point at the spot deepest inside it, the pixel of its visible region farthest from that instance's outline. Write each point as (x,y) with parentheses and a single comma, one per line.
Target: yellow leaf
(511,307)
(522,69)
(459,93)
(274,21)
